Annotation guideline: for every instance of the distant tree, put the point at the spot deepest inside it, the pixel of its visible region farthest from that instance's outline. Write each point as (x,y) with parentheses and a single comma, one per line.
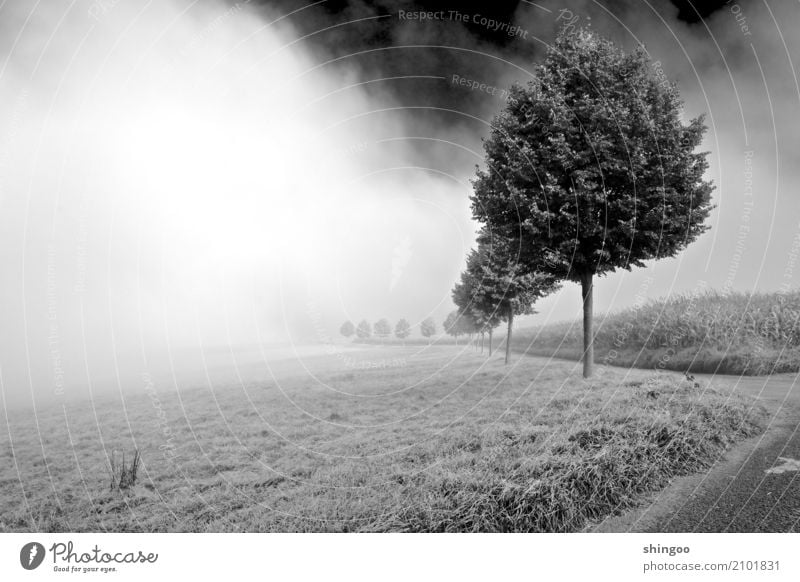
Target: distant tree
(427,327)
(450,325)
(347,329)
(590,168)
(506,287)
(383,328)
(463,292)
(466,324)
(364,329)
(472,296)
(402,330)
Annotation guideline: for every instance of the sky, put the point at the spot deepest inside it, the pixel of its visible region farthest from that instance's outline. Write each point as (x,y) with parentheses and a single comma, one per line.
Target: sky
(201,174)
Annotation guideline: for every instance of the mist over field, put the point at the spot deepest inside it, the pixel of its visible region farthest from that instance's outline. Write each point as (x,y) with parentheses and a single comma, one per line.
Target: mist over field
(179,176)
(182,176)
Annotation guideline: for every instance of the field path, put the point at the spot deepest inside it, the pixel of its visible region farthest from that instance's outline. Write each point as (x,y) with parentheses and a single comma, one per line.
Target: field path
(754,488)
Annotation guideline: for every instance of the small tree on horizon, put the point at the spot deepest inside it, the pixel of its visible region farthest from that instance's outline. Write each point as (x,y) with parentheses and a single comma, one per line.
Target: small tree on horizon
(427,327)
(364,330)
(383,328)
(347,329)
(590,169)
(402,330)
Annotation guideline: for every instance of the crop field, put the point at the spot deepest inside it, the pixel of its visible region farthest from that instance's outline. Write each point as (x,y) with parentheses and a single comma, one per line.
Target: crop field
(432,439)
(737,333)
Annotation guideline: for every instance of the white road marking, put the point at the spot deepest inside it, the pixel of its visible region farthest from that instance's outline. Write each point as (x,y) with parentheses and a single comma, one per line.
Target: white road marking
(788,465)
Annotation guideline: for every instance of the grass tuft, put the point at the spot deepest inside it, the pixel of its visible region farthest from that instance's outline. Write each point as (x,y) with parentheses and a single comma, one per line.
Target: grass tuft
(124,474)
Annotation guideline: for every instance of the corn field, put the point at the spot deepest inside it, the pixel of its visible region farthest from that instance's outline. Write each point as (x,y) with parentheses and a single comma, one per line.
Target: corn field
(734,333)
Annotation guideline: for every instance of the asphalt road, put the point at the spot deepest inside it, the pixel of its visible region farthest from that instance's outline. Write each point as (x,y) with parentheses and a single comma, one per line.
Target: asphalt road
(752,499)
(755,491)
(755,487)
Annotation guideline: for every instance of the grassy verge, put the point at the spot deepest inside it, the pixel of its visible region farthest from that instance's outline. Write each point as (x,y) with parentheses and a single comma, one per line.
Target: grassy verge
(738,333)
(629,444)
(449,442)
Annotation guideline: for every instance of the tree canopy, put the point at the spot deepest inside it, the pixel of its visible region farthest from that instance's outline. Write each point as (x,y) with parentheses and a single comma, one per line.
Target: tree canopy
(473,296)
(589,168)
(382,328)
(450,324)
(427,327)
(402,330)
(591,162)
(364,329)
(347,329)
(495,286)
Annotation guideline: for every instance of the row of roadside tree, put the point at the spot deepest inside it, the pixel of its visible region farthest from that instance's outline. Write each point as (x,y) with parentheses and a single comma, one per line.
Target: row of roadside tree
(383,329)
(589,168)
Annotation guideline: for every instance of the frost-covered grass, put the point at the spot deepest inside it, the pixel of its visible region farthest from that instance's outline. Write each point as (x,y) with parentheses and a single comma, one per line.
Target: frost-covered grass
(448,441)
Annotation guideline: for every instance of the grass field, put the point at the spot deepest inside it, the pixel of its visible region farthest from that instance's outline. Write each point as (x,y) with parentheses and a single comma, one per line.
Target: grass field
(737,333)
(432,439)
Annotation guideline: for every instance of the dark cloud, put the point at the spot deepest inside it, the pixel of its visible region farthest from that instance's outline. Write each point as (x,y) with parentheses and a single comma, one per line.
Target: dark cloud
(694,11)
(414,63)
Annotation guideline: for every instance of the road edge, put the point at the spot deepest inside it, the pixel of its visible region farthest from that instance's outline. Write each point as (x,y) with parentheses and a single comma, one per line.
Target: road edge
(659,506)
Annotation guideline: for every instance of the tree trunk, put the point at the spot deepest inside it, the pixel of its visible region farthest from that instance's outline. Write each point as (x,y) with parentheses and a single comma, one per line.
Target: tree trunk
(482,337)
(490,343)
(588,334)
(508,335)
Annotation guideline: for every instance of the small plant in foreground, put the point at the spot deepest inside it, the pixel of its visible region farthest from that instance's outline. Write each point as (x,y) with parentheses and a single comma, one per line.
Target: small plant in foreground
(123,474)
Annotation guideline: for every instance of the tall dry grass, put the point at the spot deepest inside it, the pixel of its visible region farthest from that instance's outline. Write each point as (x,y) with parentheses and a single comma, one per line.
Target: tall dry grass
(736,333)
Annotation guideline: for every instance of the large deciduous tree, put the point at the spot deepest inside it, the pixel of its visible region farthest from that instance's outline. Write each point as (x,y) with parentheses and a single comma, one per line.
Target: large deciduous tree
(591,169)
